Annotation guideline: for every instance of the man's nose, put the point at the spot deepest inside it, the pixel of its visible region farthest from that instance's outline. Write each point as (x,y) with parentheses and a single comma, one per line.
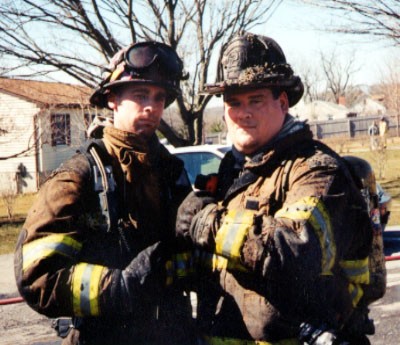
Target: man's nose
(245,113)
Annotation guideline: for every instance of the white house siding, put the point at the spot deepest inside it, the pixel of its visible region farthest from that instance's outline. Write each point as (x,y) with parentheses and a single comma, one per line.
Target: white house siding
(16,122)
(53,156)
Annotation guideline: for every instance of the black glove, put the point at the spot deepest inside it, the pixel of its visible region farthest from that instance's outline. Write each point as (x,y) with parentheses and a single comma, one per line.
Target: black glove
(192,204)
(144,276)
(205,225)
(321,335)
(256,247)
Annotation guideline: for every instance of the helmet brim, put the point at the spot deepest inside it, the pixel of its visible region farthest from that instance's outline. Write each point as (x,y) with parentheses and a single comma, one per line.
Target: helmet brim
(99,97)
(294,89)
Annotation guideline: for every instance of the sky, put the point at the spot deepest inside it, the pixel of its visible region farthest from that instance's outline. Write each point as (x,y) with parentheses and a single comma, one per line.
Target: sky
(293,27)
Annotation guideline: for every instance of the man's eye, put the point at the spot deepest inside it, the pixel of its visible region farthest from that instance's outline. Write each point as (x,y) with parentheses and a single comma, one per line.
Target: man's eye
(233,104)
(161,98)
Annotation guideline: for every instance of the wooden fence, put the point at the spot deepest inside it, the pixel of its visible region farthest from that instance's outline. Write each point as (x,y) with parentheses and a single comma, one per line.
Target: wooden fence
(351,127)
(348,128)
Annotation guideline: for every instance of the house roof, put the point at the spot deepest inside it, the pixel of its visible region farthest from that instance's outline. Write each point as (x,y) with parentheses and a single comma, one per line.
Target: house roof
(48,93)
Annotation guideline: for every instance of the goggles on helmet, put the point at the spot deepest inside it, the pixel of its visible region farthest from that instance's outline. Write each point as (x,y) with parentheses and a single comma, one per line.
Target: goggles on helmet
(141,57)
(147,62)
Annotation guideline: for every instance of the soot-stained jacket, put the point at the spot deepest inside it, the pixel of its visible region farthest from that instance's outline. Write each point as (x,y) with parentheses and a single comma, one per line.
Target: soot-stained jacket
(65,250)
(316,236)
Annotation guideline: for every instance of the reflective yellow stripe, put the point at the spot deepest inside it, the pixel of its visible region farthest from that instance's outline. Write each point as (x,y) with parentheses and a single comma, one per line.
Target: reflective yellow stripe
(312,210)
(230,237)
(357,271)
(356,292)
(232,341)
(48,246)
(85,287)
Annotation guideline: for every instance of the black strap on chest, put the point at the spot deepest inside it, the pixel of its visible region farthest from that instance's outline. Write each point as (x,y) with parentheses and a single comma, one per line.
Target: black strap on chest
(103,181)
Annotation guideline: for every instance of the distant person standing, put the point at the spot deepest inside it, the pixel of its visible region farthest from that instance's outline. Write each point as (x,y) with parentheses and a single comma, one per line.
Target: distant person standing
(373,132)
(383,128)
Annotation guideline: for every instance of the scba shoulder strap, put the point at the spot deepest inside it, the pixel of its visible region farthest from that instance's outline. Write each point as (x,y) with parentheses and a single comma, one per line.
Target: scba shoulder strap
(103,181)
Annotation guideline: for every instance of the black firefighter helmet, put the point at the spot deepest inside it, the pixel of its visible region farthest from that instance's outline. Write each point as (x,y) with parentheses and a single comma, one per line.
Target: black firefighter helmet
(254,61)
(147,62)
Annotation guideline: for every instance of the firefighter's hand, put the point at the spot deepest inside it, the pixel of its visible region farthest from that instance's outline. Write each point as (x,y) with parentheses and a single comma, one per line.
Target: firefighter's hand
(256,247)
(321,335)
(146,268)
(145,275)
(205,225)
(192,205)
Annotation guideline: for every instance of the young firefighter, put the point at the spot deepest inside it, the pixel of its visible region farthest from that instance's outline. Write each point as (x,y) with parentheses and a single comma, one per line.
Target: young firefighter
(283,243)
(94,243)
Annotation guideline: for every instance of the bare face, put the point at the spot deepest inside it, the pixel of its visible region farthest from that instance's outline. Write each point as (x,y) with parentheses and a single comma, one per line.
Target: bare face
(138,108)
(253,117)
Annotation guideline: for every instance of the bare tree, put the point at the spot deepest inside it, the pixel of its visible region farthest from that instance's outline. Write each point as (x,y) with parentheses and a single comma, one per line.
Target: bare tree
(337,73)
(378,18)
(9,196)
(312,81)
(390,86)
(77,37)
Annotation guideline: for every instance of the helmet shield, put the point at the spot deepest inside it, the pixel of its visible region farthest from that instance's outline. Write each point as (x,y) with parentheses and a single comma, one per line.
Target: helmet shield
(254,61)
(142,63)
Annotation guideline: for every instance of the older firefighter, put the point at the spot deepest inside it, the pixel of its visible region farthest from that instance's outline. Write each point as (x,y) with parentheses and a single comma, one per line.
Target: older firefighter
(283,243)
(94,243)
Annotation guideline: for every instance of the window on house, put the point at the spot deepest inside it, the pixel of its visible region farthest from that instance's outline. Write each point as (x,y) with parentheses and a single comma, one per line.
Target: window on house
(60,129)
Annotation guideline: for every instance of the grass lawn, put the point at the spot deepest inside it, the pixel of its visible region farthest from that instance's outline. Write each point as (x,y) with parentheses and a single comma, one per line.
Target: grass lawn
(385,164)
(8,237)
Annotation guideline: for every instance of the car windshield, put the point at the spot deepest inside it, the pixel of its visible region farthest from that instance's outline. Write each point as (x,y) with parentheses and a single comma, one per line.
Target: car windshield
(199,163)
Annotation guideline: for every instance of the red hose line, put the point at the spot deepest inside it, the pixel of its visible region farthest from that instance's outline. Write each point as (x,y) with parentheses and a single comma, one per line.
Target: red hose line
(392,258)
(14,300)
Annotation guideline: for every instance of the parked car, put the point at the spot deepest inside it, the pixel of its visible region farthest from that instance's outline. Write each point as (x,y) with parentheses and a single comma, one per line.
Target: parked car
(201,159)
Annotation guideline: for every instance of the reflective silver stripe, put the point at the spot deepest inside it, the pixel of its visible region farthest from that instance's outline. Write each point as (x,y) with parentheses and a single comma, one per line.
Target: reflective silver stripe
(313,211)
(230,237)
(48,246)
(85,286)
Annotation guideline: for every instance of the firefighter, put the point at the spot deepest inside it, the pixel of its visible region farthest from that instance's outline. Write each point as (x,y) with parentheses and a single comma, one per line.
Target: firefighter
(372,192)
(95,242)
(281,247)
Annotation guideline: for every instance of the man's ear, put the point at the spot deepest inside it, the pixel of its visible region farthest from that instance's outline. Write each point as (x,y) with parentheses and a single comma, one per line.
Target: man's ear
(284,102)
(112,101)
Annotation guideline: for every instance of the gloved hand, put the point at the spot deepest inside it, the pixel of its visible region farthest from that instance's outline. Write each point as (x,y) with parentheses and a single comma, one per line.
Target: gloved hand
(144,276)
(205,225)
(192,204)
(256,245)
(321,335)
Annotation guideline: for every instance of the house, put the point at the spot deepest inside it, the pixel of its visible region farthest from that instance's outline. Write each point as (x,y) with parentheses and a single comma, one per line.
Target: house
(369,107)
(319,111)
(41,125)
